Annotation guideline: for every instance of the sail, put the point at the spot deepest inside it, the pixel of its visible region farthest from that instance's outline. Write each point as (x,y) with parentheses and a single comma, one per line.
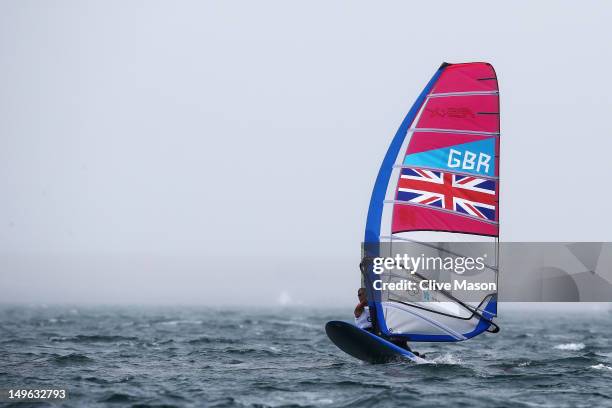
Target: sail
(438,192)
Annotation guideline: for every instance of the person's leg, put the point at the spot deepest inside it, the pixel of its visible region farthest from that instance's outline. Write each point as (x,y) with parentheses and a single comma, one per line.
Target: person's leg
(404,344)
(400,343)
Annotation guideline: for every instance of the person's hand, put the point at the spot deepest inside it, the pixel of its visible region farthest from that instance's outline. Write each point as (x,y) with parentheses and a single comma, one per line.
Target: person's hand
(359,309)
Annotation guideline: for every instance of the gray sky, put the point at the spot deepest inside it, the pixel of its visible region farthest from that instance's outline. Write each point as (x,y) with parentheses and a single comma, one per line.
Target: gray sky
(224,152)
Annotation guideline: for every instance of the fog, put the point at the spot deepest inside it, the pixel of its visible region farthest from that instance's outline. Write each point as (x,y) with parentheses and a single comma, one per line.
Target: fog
(224,153)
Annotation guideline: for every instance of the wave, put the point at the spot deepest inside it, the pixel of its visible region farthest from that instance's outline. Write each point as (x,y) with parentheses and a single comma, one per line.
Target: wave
(118,398)
(72,358)
(212,340)
(570,346)
(447,358)
(345,383)
(95,380)
(250,350)
(574,360)
(140,405)
(81,338)
(601,367)
(285,399)
(295,323)
(178,322)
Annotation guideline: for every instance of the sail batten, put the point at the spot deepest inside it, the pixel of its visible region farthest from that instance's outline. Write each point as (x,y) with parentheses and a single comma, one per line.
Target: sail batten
(401,166)
(468,93)
(467,132)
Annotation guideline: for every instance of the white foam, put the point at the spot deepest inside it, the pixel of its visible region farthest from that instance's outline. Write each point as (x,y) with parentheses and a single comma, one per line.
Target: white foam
(601,367)
(284,398)
(570,346)
(446,359)
(177,322)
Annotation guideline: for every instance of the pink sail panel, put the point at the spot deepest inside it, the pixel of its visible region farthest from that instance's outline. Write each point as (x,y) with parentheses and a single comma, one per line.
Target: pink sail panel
(471,77)
(478,113)
(412,218)
(424,141)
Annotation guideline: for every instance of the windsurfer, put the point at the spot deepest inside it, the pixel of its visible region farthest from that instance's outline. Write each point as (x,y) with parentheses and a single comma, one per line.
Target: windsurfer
(364,321)
(362,311)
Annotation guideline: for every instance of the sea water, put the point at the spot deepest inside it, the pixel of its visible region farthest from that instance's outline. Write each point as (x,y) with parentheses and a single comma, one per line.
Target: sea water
(207,357)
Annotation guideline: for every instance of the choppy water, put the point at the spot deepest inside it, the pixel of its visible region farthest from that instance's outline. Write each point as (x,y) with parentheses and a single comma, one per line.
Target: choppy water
(220,358)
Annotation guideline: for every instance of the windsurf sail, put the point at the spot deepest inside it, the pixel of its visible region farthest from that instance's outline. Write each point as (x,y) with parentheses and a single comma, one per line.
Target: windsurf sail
(438,191)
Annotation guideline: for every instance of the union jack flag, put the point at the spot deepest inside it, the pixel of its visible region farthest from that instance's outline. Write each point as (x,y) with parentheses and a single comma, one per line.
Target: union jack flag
(469,195)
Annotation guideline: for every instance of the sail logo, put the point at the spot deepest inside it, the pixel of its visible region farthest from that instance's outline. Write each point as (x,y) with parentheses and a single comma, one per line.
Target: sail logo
(462,112)
(467,160)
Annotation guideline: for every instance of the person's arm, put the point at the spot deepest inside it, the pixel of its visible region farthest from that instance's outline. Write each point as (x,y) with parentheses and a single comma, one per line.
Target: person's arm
(360,307)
